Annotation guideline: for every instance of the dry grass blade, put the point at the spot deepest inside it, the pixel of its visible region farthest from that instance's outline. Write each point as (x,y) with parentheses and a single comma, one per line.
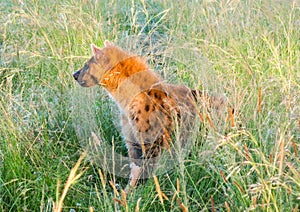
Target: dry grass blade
(247,153)
(103,182)
(271,158)
(223,176)
(123,196)
(259,101)
(177,186)
(254,200)
(114,188)
(161,195)
(73,177)
(231,116)
(201,117)
(182,206)
(281,156)
(295,147)
(119,201)
(296,208)
(137,207)
(176,193)
(227,207)
(239,187)
(124,200)
(213,209)
(210,122)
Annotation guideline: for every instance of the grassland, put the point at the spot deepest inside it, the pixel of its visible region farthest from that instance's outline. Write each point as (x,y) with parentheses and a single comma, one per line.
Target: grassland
(248,50)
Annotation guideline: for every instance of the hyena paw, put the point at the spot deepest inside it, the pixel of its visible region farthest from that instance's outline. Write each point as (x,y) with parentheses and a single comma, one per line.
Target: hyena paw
(135,172)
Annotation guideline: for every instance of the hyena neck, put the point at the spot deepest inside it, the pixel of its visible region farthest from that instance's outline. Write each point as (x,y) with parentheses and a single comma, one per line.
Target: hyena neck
(127,79)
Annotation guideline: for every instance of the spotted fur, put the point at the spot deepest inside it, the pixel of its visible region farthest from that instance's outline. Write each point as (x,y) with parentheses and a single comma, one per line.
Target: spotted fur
(149,107)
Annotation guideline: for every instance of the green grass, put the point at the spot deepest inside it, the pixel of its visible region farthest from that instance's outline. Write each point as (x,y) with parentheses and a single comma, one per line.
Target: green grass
(236,47)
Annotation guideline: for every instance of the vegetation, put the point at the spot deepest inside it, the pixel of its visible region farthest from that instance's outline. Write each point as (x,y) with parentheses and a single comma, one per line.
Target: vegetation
(249,50)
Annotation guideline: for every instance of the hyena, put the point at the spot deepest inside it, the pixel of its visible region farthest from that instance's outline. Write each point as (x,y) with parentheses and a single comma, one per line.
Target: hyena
(150,108)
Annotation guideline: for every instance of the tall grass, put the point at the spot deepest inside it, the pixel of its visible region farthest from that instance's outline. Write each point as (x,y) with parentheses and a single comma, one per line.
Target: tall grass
(248,50)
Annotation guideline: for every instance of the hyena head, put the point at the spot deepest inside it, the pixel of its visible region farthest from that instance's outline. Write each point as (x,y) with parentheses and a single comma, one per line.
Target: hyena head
(101,62)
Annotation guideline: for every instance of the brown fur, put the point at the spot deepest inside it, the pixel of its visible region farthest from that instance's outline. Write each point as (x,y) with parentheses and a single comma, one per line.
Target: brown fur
(149,107)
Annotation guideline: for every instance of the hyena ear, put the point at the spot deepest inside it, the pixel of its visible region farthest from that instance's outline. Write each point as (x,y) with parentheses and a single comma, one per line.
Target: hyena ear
(108,43)
(96,50)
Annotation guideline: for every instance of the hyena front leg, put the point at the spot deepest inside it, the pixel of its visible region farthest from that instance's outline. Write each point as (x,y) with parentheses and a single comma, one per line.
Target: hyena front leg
(135,153)
(135,167)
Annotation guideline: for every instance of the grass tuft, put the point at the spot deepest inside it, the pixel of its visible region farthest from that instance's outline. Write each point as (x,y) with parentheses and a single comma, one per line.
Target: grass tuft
(247,50)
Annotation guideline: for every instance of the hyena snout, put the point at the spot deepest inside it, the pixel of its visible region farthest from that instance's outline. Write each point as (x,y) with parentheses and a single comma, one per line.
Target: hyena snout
(76,75)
